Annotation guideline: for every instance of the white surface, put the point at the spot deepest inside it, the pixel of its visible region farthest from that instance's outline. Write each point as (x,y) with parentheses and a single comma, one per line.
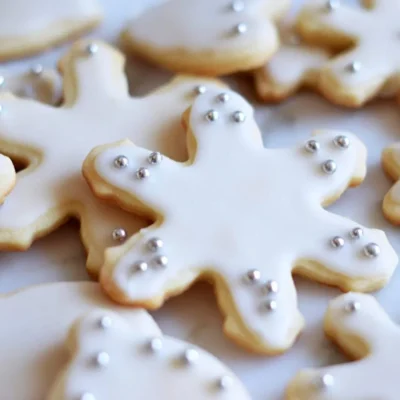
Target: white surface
(194,316)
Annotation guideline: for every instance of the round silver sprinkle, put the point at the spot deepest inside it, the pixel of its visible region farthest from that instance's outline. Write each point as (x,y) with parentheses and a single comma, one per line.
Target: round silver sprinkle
(241,28)
(142,173)
(190,356)
(357,233)
(337,242)
(155,344)
(271,305)
(91,49)
(354,66)
(312,146)
(372,250)
(140,266)
(212,115)
(223,97)
(102,359)
(329,167)
(121,162)
(326,381)
(237,5)
(200,89)
(271,287)
(37,70)
(342,141)
(253,275)
(332,5)
(87,396)
(155,158)
(105,322)
(239,117)
(352,306)
(225,382)
(119,234)
(155,244)
(161,261)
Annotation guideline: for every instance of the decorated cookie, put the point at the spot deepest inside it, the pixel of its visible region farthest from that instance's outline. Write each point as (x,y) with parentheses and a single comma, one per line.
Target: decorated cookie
(55,141)
(359,325)
(28,27)
(37,83)
(242,216)
(212,37)
(367,59)
(35,323)
(294,66)
(112,359)
(7,177)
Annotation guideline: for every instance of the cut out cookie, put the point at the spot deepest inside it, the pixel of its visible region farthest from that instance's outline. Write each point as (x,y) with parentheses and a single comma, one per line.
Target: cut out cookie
(35,323)
(7,177)
(369,60)
(55,141)
(113,360)
(241,215)
(28,27)
(38,83)
(213,37)
(359,325)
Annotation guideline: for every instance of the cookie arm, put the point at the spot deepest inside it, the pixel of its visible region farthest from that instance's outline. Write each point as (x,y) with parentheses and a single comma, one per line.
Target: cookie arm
(391,165)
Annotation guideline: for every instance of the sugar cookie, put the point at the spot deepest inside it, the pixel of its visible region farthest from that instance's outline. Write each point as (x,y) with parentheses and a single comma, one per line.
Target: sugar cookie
(35,324)
(359,325)
(242,216)
(112,359)
(213,37)
(28,27)
(369,57)
(97,108)
(7,177)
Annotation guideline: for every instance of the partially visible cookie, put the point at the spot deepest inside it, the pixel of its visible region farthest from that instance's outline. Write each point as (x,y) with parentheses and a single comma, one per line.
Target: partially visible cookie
(359,326)
(112,359)
(367,39)
(7,177)
(31,26)
(212,37)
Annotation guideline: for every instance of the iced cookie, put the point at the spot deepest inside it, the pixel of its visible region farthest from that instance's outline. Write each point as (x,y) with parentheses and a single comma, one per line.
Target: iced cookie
(35,323)
(7,177)
(54,142)
(242,216)
(213,37)
(359,325)
(38,83)
(367,39)
(112,359)
(28,27)
(294,66)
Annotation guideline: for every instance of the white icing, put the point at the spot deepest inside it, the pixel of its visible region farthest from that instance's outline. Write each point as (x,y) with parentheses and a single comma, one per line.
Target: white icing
(35,324)
(237,207)
(367,334)
(134,371)
(97,109)
(375,32)
(7,176)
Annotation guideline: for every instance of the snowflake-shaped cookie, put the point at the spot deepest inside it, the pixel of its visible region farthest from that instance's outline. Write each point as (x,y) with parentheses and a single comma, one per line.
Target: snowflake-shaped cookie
(369,40)
(359,325)
(212,37)
(241,215)
(114,360)
(7,177)
(31,26)
(55,141)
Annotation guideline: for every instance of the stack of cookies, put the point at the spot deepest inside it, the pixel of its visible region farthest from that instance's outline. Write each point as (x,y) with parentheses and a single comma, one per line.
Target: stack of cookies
(176,187)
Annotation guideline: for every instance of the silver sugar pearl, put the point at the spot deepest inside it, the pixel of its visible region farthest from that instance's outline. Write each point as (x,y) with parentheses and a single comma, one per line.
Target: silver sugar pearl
(270,305)
(357,233)
(121,162)
(225,382)
(200,89)
(87,396)
(37,70)
(372,250)
(119,234)
(105,322)
(190,356)
(223,97)
(271,287)
(241,28)
(155,244)
(2,80)
(337,242)
(253,275)
(354,66)
(91,49)
(154,158)
(102,359)
(140,266)
(142,173)
(352,306)
(238,116)
(329,167)
(155,344)
(325,381)
(342,141)
(332,5)
(160,261)
(312,146)
(212,115)
(237,5)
